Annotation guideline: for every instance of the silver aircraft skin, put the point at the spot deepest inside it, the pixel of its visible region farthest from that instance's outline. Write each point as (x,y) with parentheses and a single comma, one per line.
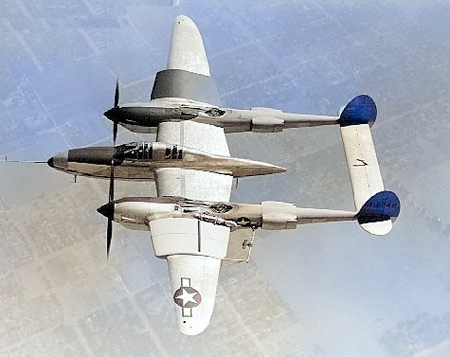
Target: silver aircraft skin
(141,161)
(192,223)
(137,212)
(240,220)
(144,117)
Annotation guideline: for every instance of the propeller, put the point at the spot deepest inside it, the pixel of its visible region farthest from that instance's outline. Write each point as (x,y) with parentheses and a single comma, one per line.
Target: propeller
(110,210)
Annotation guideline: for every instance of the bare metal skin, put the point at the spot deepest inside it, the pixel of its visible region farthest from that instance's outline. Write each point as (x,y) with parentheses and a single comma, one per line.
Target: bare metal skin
(137,212)
(140,161)
(141,117)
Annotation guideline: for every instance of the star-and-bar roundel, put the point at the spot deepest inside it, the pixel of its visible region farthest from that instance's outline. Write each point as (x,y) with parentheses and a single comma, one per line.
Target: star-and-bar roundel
(186,296)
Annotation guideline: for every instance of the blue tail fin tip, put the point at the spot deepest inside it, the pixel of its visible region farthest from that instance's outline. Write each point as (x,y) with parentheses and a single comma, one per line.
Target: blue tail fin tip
(383,206)
(360,110)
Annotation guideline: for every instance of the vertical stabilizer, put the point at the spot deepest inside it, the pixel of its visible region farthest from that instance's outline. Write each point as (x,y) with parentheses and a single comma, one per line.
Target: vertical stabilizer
(378,214)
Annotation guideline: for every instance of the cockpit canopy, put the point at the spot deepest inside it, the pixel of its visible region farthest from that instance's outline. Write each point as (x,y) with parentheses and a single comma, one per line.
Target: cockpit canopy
(145,150)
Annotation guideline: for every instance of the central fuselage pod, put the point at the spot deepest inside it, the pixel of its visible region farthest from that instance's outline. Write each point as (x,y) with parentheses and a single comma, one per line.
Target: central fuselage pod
(140,161)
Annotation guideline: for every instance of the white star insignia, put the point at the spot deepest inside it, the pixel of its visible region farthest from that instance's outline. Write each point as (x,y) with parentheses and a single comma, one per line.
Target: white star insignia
(187,297)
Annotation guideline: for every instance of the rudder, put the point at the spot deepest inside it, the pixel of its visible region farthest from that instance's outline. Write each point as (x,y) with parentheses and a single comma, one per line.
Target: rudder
(360,110)
(378,214)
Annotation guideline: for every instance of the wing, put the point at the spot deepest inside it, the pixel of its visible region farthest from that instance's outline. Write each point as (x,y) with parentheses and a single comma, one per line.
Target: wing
(194,284)
(194,249)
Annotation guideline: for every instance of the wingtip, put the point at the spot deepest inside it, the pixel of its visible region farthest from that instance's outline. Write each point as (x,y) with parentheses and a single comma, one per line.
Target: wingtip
(183,18)
(187,51)
(192,329)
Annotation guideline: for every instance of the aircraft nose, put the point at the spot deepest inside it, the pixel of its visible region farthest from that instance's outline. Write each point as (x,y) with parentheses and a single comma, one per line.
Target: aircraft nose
(107,210)
(112,114)
(58,161)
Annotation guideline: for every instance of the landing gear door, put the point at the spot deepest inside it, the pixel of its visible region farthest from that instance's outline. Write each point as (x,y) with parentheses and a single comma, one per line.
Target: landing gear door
(239,245)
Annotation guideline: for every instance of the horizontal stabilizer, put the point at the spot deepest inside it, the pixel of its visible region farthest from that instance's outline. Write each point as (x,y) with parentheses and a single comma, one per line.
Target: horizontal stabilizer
(378,214)
(355,121)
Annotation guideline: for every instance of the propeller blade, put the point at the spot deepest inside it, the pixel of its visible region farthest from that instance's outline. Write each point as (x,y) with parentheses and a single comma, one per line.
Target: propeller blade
(111,213)
(116,96)
(108,236)
(114,133)
(109,229)
(116,103)
(111,182)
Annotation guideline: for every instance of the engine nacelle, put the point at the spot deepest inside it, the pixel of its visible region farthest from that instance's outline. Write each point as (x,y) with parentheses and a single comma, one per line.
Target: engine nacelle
(266,121)
(267,125)
(278,215)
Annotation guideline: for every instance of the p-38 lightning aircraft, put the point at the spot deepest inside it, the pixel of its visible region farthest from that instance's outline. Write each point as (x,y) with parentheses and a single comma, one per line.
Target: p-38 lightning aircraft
(192,223)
